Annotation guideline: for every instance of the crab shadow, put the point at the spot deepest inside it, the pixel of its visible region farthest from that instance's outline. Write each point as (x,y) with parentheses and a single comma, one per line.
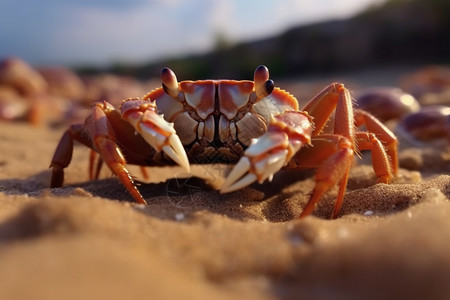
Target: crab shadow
(279,200)
(165,200)
(30,186)
(185,196)
(270,201)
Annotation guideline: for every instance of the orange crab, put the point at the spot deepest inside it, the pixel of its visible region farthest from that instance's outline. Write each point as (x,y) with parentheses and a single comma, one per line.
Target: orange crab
(252,124)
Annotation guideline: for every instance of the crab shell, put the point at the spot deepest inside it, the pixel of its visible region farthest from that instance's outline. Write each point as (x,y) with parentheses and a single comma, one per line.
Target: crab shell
(218,118)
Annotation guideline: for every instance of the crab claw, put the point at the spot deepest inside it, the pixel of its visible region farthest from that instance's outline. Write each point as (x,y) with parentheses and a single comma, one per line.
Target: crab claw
(265,156)
(156,131)
(161,135)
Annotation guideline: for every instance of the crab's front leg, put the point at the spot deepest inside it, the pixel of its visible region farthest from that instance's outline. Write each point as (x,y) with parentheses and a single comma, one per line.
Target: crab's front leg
(100,136)
(266,155)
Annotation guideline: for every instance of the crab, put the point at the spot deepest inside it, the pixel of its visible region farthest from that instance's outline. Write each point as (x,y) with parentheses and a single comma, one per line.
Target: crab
(387,103)
(429,123)
(417,124)
(252,124)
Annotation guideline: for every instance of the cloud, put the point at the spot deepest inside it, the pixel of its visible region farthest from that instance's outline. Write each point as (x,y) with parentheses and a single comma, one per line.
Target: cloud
(150,31)
(101,31)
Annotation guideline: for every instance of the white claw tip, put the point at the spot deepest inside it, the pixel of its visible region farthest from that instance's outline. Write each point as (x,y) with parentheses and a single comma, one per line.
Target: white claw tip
(236,179)
(243,182)
(176,152)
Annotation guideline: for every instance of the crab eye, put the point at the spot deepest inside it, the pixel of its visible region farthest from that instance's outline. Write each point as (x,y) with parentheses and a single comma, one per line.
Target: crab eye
(269,85)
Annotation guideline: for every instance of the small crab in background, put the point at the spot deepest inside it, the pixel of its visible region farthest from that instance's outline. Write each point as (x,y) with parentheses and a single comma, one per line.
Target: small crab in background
(387,103)
(429,123)
(252,124)
(22,91)
(418,124)
(429,84)
(37,96)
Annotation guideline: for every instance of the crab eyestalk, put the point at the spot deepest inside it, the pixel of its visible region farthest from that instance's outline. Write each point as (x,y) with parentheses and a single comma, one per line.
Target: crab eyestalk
(263,85)
(169,82)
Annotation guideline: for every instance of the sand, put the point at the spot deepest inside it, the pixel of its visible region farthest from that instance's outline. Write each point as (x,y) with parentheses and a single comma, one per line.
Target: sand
(87,240)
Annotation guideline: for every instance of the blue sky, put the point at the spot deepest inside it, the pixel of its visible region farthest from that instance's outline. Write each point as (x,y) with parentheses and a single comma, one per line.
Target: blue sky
(73,32)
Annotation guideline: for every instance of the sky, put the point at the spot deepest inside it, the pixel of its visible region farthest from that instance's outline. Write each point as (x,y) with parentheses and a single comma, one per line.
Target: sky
(100,32)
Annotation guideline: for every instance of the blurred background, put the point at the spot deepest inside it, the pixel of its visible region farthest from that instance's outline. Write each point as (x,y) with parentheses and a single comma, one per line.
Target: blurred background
(220,38)
(117,48)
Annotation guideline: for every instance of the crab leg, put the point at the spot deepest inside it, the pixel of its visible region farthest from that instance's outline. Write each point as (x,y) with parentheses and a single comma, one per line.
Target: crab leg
(63,153)
(159,133)
(335,169)
(336,96)
(94,174)
(286,134)
(61,158)
(103,141)
(333,155)
(105,144)
(325,103)
(380,140)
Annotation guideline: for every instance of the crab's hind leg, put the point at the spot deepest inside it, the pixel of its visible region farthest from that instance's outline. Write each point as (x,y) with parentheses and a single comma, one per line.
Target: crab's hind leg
(335,169)
(63,155)
(381,141)
(332,155)
(94,173)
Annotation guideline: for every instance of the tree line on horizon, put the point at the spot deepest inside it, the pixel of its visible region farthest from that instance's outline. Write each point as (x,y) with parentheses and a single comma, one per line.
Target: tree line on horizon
(398,32)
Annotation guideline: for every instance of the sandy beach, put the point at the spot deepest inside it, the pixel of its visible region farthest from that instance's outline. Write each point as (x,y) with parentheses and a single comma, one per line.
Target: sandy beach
(62,62)
(88,240)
